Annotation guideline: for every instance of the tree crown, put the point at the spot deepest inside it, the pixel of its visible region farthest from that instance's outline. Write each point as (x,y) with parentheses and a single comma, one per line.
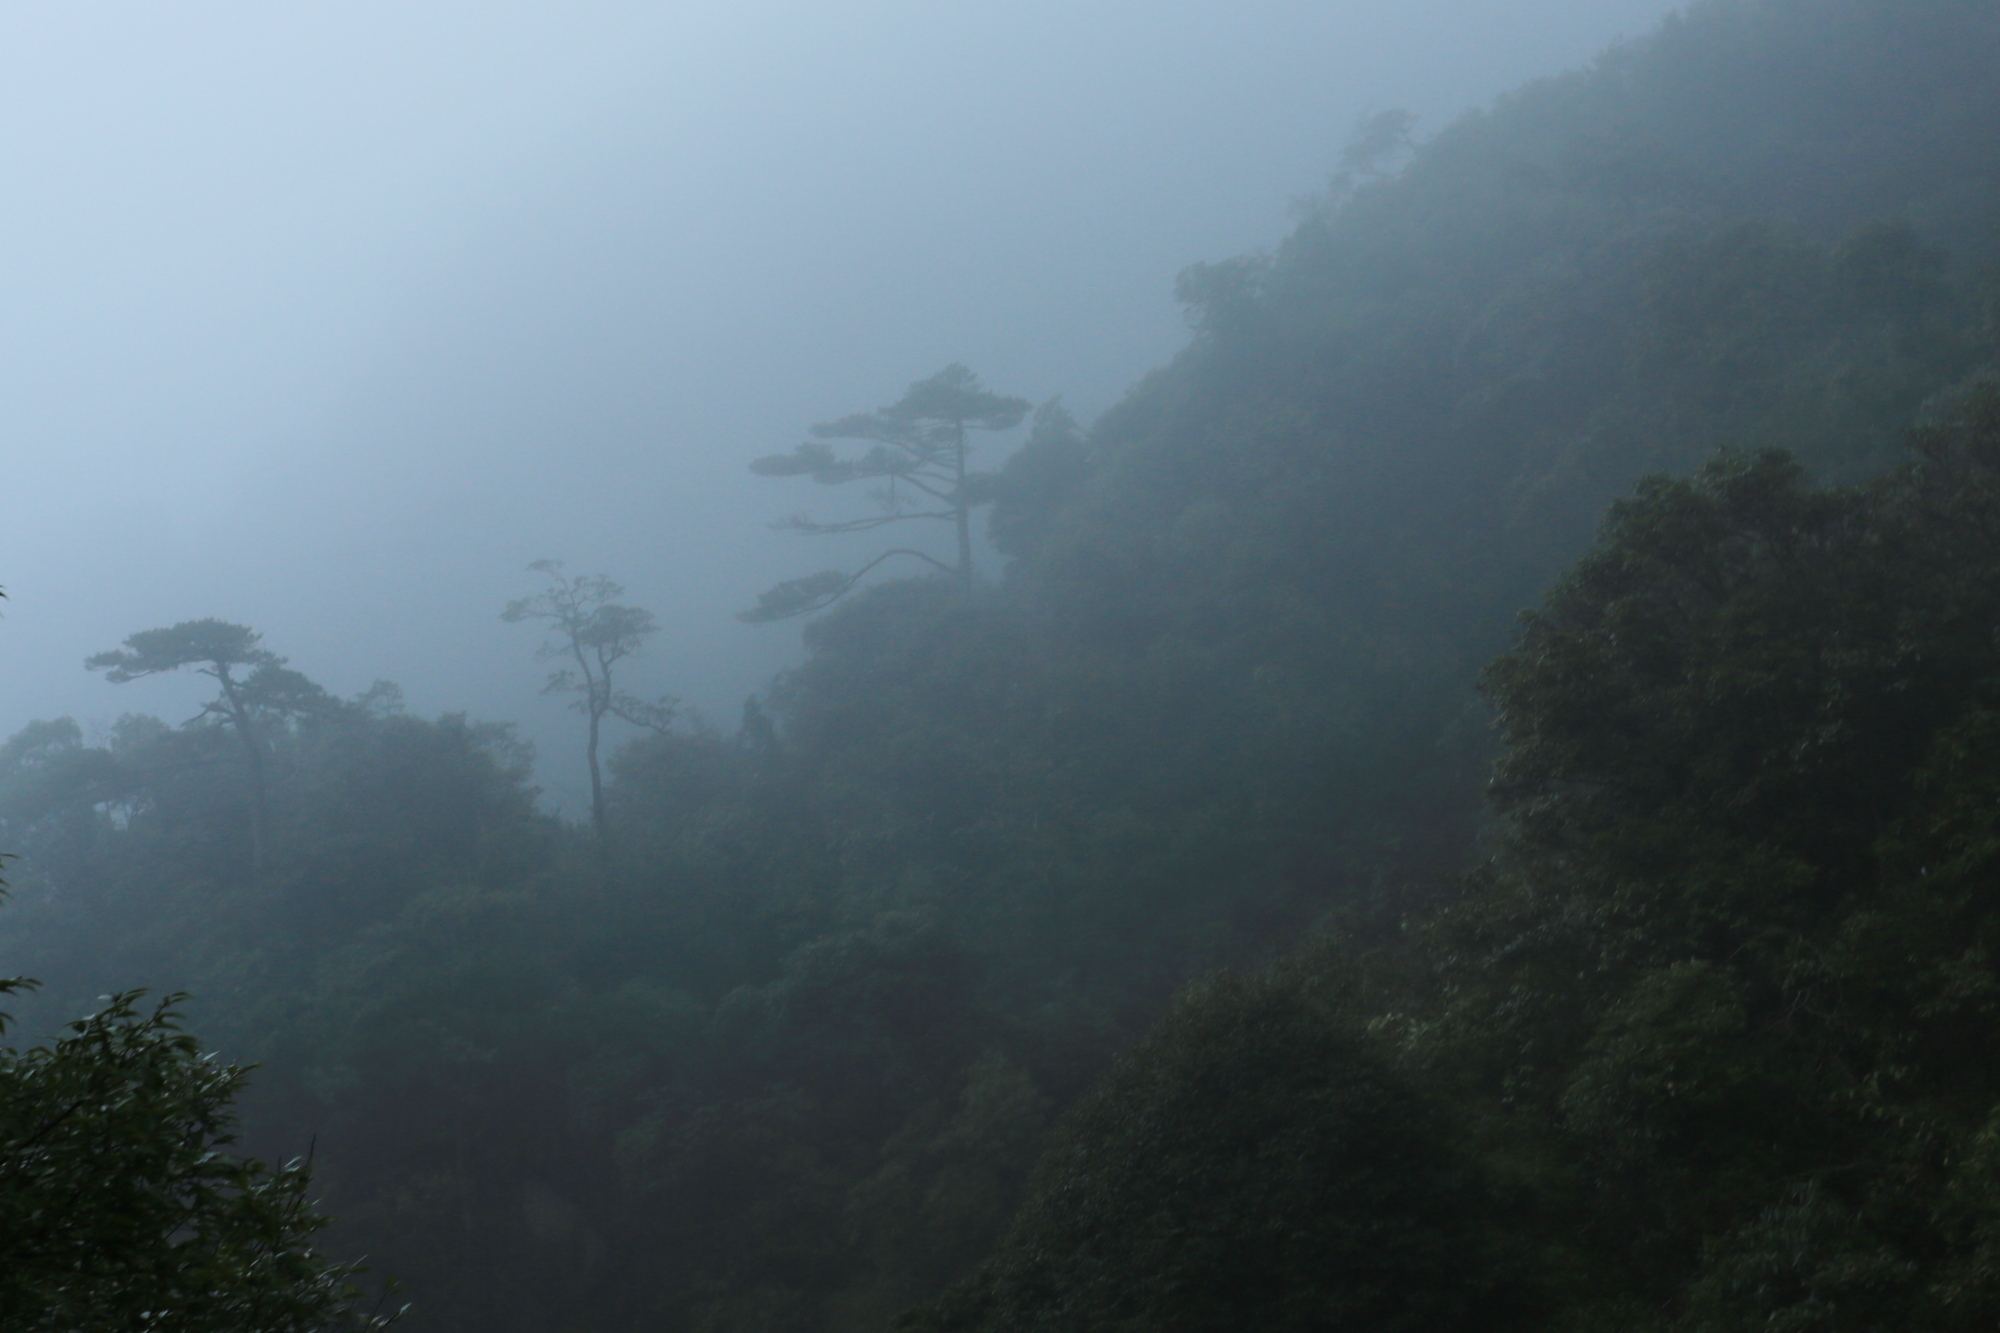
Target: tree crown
(925,426)
(210,646)
(589,626)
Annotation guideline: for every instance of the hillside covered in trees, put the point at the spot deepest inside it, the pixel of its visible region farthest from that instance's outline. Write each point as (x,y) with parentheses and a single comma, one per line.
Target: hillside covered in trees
(867,1010)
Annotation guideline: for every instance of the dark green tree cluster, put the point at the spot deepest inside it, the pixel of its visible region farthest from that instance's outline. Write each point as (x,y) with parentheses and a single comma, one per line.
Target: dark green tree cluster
(1735,963)
(1707,1045)
(1258,1162)
(122,1207)
(537,1091)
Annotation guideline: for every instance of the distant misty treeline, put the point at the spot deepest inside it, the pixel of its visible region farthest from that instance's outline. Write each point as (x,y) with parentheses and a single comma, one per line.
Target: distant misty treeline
(1688,1027)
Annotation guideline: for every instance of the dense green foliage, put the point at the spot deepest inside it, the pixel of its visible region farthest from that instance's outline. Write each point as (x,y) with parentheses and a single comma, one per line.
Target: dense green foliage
(1736,962)
(1703,1041)
(121,1206)
(1256,1163)
(1707,1044)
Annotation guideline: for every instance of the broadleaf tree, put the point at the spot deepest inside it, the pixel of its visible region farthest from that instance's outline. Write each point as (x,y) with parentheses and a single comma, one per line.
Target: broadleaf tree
(919,450)
(121,1206)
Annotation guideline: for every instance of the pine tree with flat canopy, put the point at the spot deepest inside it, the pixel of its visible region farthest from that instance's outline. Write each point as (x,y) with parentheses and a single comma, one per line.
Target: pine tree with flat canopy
(920,452)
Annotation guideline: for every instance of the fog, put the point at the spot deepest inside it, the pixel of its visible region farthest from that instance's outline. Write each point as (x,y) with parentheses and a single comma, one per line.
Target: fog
(329,320)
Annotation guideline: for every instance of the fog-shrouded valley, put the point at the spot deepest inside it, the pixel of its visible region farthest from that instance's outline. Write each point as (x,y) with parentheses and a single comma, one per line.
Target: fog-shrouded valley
(934,668)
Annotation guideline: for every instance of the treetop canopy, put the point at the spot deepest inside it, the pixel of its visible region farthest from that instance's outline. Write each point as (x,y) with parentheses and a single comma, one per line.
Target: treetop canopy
(211,643)
(953,395)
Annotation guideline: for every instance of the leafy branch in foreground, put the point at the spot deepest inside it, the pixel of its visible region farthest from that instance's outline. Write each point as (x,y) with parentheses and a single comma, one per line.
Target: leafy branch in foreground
(120,1207)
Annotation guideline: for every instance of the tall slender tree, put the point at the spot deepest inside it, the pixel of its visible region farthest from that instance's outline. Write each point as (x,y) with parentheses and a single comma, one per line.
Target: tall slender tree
(589,627)
(919,451)
(255,684)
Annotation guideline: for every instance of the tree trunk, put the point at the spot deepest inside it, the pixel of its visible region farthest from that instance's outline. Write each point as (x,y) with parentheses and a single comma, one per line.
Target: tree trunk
(597,702)
(964,510)
(596,779)
(253,752)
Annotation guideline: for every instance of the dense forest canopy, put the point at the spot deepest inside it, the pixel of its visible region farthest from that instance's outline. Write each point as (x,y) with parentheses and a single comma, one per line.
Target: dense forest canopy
(1707,1041)
(819,1021)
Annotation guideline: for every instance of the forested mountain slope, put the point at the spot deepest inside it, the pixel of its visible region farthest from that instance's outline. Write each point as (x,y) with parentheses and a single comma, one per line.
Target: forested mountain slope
(1708,1044)
(781,1053)
(1770,224)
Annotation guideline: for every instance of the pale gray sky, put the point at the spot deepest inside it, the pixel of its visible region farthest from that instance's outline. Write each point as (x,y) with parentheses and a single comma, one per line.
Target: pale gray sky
(328,318)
